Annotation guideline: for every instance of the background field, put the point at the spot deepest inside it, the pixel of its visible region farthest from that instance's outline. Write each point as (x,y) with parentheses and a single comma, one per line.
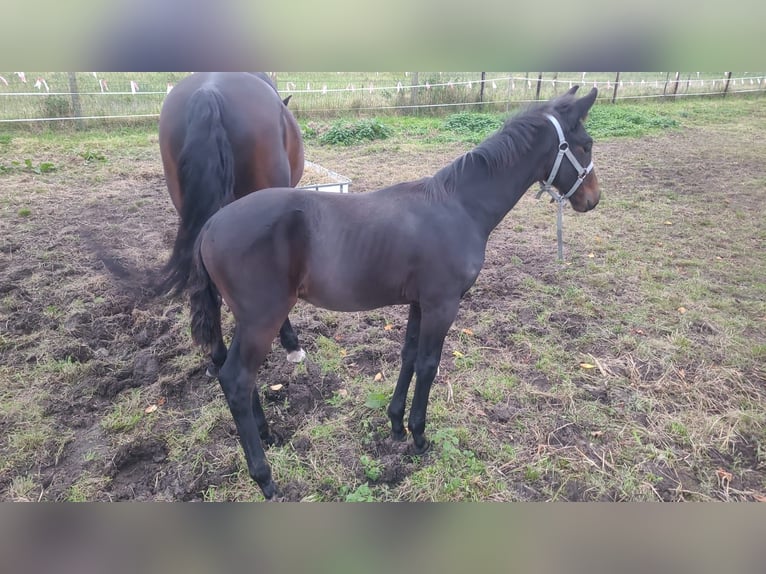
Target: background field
(48,96)
(633,371)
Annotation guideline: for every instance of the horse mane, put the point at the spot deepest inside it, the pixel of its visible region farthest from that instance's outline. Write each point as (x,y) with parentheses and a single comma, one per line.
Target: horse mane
(503,148)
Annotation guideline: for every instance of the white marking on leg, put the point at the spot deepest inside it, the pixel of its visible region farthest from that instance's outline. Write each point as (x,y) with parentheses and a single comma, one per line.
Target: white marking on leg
(296,356)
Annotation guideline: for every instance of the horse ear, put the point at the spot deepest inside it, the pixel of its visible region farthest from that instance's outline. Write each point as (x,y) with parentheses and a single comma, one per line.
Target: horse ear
(572,90)
(584,104)
(287,99)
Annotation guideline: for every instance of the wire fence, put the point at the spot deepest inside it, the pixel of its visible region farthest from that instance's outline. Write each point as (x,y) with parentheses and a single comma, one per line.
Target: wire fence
(28,98)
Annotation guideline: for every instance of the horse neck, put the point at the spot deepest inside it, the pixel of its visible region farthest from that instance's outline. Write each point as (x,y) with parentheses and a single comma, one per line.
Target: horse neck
(486,195)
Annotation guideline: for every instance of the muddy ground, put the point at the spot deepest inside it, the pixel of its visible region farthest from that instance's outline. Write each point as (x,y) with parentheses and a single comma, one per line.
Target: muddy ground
(85,360)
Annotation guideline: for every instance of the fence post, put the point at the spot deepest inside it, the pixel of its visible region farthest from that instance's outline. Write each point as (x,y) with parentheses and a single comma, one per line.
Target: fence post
(481,89)
(675,84)
(616,83)
(76,107)
(539,83)
(414,92)
(726,87)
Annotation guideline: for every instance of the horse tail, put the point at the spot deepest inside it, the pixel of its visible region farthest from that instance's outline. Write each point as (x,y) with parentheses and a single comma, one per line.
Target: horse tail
(206,178)
(205,302)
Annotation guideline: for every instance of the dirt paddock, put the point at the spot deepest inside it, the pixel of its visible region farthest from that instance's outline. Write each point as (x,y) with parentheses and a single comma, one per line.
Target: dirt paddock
(634,371)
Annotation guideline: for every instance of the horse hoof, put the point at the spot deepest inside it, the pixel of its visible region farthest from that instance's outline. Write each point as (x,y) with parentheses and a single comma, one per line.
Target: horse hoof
(211,371)
(398,436)
(269,490)
(296,356)
(423,448)
(269,441)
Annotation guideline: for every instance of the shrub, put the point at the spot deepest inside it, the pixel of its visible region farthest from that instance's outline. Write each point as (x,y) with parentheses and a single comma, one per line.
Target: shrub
(56,107)
(472,123)
(347,133)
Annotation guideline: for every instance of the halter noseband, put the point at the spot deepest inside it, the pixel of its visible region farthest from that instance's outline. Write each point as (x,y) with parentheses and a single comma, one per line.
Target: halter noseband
(564,150)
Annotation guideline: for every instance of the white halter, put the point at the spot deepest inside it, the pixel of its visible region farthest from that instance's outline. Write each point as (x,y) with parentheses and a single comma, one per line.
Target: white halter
(564,150)
(547,185)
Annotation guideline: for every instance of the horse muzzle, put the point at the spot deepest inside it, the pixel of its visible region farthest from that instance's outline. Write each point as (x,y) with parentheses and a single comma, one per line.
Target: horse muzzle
(588,196)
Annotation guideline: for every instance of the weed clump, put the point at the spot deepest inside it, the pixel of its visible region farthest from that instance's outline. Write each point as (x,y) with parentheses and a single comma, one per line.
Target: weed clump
(347,133)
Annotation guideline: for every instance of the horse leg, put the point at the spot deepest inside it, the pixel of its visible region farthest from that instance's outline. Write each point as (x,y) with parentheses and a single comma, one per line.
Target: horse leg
(434,325)
(409,354)
(217,358)
(237,378)
(290,343)
(218,354)
(260,420)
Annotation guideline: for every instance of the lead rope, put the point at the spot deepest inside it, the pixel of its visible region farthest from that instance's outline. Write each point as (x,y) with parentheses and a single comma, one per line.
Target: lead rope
(559,219)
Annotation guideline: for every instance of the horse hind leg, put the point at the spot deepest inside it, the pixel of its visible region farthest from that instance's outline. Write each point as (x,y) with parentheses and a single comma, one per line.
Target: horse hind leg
(237,379)
(217,357)
(289,341)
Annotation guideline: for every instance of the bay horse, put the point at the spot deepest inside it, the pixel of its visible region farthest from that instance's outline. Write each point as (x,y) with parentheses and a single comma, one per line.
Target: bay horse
(222,136)
(420,243)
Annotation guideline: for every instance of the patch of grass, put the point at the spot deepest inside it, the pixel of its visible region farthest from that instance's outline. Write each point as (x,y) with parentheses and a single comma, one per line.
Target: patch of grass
(93,156)
(347,133)
(126,414)
(626,120)
(362,493)
(372,467)
(86,487)
(329,355)
(41,168)
(23,488)
(453,472)
(473,127)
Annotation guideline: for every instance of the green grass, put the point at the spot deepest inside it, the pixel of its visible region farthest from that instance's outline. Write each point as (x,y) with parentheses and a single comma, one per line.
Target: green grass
(346,132)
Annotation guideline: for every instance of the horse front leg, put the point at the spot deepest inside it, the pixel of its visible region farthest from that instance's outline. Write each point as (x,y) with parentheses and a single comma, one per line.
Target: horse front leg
(436,321)
(409,354)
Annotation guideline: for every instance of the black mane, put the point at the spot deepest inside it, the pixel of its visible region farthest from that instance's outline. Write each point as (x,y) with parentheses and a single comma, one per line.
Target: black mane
(503,148)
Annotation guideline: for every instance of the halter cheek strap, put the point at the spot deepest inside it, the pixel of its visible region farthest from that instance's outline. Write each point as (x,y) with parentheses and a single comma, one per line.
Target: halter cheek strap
(564,150)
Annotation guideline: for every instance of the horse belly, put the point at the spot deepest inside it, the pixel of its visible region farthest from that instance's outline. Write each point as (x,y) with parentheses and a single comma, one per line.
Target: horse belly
(338,293)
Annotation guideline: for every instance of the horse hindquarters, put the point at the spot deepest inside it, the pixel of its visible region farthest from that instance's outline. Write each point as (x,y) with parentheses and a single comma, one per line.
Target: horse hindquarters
(206,179)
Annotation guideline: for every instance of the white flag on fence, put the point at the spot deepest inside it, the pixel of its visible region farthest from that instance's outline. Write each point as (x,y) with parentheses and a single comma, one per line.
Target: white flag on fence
(133,87)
